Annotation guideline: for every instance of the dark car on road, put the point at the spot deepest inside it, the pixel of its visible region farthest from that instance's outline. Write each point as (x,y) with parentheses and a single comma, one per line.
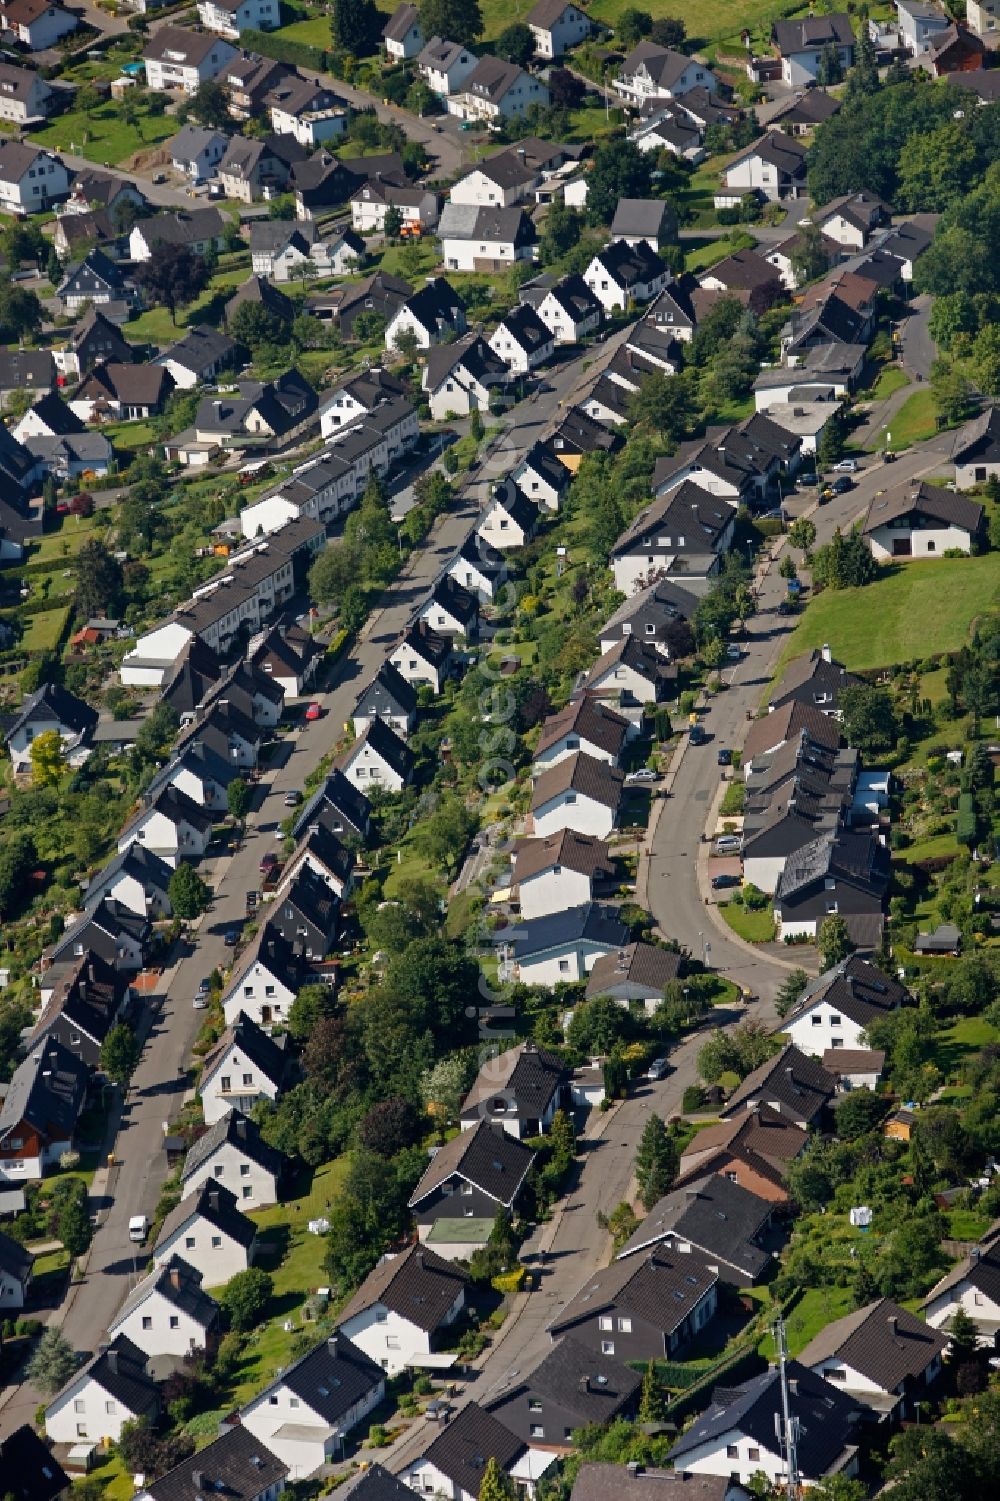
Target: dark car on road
(725,756)
(722,883)
(231,937)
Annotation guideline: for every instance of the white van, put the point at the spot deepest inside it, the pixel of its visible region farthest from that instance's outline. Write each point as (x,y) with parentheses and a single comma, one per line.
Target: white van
(138,1228)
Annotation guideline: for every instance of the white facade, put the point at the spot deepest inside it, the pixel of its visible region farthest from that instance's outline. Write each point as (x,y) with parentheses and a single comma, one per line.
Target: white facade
(415,668)
(568,30)
(823,1027)
(553,890)
(85,1411)
(525,91)
(476,580)
(565,329)
(752,174)
(535,486)
(174,71)
(640,87)
(40,185)
(468,255)
(248,15)
(211,1252)
(389,1339)
(44,30)
(158,1326)
(143,666)
(127,889)
(569,963)
(572,810)
(296,1434)
(12,1291)
(443,80)
(514,354)
(568,745)
(171,841)
(404,322)
(259,993)
(20,743)
(612,295)
(798,68)
(199,787)
(235,1082)
(364,768)
(426,1478)
(763,871)
(904,540)
(982,1309)
(252,1184)
(499,529)
(479,188)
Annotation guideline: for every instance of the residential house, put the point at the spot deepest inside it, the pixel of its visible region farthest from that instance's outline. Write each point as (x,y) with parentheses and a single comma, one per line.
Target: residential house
(631,675)
(569,1388)
(242,1068)
(109,930)
(499,182)
(577,793)
(881,1355)
(234,1152)
(981,17)
(84,998)
(484,239)
(976,449)
(644,221)
(288,656)
(773,167)
(846,873)
(236,1464)
(747,273)
(636,973)
(522,340)
(738,1435)
(309,1409)
(15,1273)
(110,1390)
(560,948)
(564,871)
(469,1181)
(200,230)
(375,1483)
(496,92)
(380,293)
(70,455)
(651,72)
(814,679)
(307,110)
(659,615)
(452,1460)
(804,110)
(568,308)
(289,250)
(557,26)
(199,356)
(541,477)
(752,1149)
(168,1312)
(260,415)
(422,655)
(458,378)
(322,854)
(378,759)
(784,257)
(388,697)
(973,1285)
(95,340)
(25,97)
(176,58)
(404,1306)
(31,1469)
(579,434)
(196,151)
(95,282)
(197,771)
(918,520)
(835,1010)
(254,169)
(920,25)
(852,219)
(210,1232)
(417,207)
(685,533)
(51,708)
(956,50)
(645,1308)
(444,66)
(596,1482)
(801,45)
(38,24)
(521,1089)
(451,610)
(138,879)
(586,724)
(25,370)
(666,126)
(230,17)
(325,181)
(264,982)
(622,274)
(509,520)
(434,313)
(819,372)
(855,1068)
(306,913)
(726,1227)
(338,806)
(173,826)
(402,34)
(796,1087)
(260,292)
(121,393)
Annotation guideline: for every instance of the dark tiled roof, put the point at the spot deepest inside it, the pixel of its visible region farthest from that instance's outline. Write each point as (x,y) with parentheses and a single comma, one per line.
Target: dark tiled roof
(15,1261)
(592,1388)
(583,774)
(178,1282)
(788,722)
(592,922)
(694,519)
(591,720)
(339,796)
(419,1286)
(944,506)
(855,988)
(332,1377)
(120,1369)
(387,745)
(30,1473)
(607,1482)
(882,1342)
(46,1092)
(843,1061)
(661,1287)
(643,964)
(51,701)
(236,1464)
(387,694)
(630,264)
(812,32)
(719,1218)
(796,1086)
(402,20)
(487,1156)
(214,1203)
(530,1074)
(472,1437)
(242,1133)
(375,1484)
(263,1052)
(582,853)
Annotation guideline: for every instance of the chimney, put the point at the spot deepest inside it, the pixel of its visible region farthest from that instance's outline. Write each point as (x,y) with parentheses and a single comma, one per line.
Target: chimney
(974,1255)
(793,1385)
(241,1127)
(175,1277)
(825,652)
(893,1325)
(331,1346)
(198,1479)
(585,1383)
(213,1199)
(112,1359)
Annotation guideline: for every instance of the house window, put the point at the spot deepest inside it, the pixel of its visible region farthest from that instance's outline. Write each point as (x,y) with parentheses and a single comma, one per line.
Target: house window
(147,1322)
(534,1405)
(624,1326)
(79,1405)
(247,1081)
(392,1342)
(244,1169)
(225,1083)
(732,1452)
(175,1322)
(111,1409)
(607,1347)
(564,966)
(836,1021)
(536,1430)
(467,1190)
(605,1322)
(189,1242)
(216,1242)
(816,1019)
(247,1191)
(753,1453)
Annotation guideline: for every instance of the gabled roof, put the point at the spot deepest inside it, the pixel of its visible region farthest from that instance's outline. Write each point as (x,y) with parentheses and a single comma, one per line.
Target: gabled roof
(591,922)
(545,13)
(946,507)
(510,499)
(796,1086)
(236,1465)
(15,1261)
(216,1204)
(526,328)
(532,1075)
(721,1220)
(579,433)
(883,1342)
(784,152)
(858,858)
(827,1418)
(810,675)
(661,603)
(842,1062)
(854,988)
(427,643)
(471,352)
(582,774)
(46,1092)
(388,693)
(435,303)
(239,1131)
(589,718)
(180,1284)
(451,596)
(120,1370)
(543,461)
(811,32)
(260,292)
(488,1157)
(628,265)
(59,418)
(386,744)
(761,1137)
(661,1287)
(573,295)
(30,1470)
(567,849)
(663,64)
(170,41)
(136,385)
(185,227)
(492,79)
(787,723)
(591,1388)
(744,269)
(980,1269)
(641,656)
(644,964)
(331,1378)
(601,1482)
(418,1286)
(271,950)
(52,701)
(693,519)
(473,1436)
(375,1483)
(340,795)
(641,216)
(402,20)
(262,1050)
(200,349)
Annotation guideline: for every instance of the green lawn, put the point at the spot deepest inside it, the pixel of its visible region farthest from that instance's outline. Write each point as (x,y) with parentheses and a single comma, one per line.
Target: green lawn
(712,20)
(968,1035)
(155,325)
(118,1483)
(44,630)
(72,533)
(102,134)
(312,33)
(914,422)
(891,378)
(817,1307)
(700,254)
(753,927)
(917,610)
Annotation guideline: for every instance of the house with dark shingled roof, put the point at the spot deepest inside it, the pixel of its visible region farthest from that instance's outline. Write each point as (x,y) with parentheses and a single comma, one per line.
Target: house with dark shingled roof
(404,1307)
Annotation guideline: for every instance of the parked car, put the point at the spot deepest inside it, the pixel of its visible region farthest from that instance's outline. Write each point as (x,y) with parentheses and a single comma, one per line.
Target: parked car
(725,756)
(293,798)
(698,735)
(728,844)
(842,484)
(847,466)
(138,1228)
(733,652)
(808,479)
(206,985)
(657,1068)
(644,774)
(231,937)
(723,883)
(268,862)
(200,1003)
(313,712)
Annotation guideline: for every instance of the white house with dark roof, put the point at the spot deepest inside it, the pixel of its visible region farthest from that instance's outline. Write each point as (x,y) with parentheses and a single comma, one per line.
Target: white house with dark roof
(137,878)
(51,708)
(577,793)
(568,1388)
(652,72)
(881,1354)
(378,759)
(24,95)
(40,1108)
(725,1225)
(231,17)
(110,1390)
(475,1176)
(644,1308)
(586,724)
(307,1412)
(973,1285)
(522,340)
(38,24)
(552,875)
(520,1089)
(176,58)
(389,697)
(173,826)
(478,569)
(402,33)
(452,610)
(623,273)
(774,167)
(423,656)
(434,313)
(444,66)
(453,1458)
(801,45)
(569,310)
(852,219)
(596,1482)
(197,151)
(685,532)
(233,1152)
(458,378)
(560,948)
(541,477)
(15,1272)
(405,1304)
(499,182)
(497,91)
(918,520)
(639,972)
(557,26)
(210,1232)
(243,1068)
(508,519)
(475,238)
(168,1313)
(31,180)
(236,1465)
(834,1010)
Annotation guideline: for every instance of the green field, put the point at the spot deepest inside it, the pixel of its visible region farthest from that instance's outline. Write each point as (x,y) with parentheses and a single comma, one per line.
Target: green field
(710,21)
(752,927)
(312,33)
(891,378)
(915,611)
(44,631)
(64,543)
(700,254)
(102,135)
(914,422)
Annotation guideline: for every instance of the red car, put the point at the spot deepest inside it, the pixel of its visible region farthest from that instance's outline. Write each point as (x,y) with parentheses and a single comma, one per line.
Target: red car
(314,712)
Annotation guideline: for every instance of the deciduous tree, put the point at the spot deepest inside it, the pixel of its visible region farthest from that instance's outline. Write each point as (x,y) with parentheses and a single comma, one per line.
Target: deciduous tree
(458,20)
(356,27)
(48,759)
(173,275)
(834,941)
(120,1053)
(246,1296)
(189,895)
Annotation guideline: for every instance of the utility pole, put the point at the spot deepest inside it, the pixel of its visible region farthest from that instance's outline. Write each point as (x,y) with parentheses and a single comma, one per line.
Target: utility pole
(789,1439)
